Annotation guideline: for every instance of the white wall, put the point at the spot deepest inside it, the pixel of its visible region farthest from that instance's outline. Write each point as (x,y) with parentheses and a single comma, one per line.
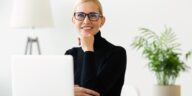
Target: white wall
(124,17)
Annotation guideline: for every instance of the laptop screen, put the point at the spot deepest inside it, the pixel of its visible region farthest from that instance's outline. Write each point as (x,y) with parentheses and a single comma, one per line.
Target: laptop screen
(42,75)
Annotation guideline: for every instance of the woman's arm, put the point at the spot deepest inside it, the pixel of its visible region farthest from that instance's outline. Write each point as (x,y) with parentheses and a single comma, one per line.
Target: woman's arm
(109,76)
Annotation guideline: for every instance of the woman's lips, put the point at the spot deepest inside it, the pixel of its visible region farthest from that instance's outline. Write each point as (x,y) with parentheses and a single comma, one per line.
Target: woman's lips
(86,27)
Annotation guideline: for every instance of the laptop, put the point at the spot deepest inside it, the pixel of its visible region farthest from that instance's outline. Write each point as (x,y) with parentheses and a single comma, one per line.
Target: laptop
(42,75)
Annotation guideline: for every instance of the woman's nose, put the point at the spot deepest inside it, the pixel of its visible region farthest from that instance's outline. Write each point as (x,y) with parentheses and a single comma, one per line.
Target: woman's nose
(86,20)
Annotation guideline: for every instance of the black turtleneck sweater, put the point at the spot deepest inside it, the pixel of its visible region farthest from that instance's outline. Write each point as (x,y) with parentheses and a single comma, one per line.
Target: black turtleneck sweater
(102,70)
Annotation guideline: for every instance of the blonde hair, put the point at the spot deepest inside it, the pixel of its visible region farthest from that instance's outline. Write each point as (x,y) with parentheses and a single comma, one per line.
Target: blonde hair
(94,1)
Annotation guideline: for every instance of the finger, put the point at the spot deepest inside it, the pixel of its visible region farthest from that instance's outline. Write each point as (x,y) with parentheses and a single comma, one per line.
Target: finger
(76,85)
(80,91)
(82,94)
(91,92)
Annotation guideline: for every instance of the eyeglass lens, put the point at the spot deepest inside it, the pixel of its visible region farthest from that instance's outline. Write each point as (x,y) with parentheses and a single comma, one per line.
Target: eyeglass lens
(93,16)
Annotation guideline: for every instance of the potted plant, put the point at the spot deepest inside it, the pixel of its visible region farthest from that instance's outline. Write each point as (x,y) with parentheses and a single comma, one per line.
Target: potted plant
(164,57)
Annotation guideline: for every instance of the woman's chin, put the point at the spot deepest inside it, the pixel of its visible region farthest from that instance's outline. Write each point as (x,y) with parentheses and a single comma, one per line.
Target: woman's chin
(86,32)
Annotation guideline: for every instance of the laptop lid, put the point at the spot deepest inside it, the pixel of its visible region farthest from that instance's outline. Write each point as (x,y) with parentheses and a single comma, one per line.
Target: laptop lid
(40,75)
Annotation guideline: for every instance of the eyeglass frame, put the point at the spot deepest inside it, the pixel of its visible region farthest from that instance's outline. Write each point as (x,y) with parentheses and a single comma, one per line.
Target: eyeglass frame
(88,15)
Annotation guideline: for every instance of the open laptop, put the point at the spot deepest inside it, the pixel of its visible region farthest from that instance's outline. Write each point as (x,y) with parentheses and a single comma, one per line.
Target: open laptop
(42,75)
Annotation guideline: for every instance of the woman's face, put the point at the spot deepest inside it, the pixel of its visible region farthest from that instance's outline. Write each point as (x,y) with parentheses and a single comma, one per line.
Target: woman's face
(92,21)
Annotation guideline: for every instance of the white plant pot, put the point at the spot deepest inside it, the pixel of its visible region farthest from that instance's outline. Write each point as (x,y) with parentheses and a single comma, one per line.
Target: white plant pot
(171,90)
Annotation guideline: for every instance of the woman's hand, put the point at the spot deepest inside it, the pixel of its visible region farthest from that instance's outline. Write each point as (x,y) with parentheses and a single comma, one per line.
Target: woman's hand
(80,91)
(86,42)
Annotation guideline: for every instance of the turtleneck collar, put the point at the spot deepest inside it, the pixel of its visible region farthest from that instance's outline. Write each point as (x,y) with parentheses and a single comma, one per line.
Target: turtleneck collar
(99,42)
(98,35)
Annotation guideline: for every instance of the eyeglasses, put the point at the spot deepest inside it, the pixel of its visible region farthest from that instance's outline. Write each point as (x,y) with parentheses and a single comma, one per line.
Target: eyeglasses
(93,16)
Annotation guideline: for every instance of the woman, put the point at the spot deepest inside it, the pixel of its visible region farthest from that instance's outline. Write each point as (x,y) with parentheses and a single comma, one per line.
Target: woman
(99,66)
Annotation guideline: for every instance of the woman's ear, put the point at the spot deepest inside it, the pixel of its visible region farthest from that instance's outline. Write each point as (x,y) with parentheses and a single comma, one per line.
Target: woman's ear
(102,21)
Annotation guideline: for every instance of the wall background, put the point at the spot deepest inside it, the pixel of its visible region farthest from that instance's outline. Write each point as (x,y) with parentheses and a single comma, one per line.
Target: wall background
(124,17)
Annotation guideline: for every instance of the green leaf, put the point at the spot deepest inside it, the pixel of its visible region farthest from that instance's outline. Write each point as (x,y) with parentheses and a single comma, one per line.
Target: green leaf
(162,51)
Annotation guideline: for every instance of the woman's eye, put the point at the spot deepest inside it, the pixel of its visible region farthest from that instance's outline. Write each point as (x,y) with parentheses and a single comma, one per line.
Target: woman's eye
(81,15)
